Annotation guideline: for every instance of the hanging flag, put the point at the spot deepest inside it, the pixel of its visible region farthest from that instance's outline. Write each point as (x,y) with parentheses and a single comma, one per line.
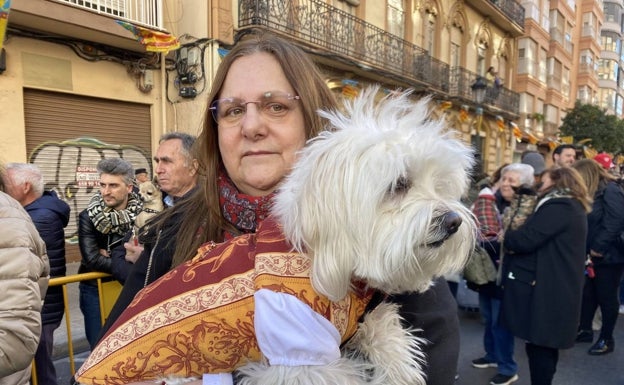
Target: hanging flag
(154,41)
(532,138)
(516,131)
(552,145)
(445,105)
(350,88)
(5,7)
(500,122)
(463,113)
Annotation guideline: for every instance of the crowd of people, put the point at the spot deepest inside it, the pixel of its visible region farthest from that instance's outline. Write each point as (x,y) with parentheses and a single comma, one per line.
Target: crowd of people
(554,236)
(559,258)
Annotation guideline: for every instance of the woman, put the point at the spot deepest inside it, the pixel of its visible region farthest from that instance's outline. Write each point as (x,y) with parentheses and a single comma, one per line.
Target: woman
(263,107)
(543,272)
(605,225)
(24,272)
(498,342)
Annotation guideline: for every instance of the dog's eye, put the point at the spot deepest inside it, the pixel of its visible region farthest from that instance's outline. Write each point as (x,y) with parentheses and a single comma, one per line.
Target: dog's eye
(400,186)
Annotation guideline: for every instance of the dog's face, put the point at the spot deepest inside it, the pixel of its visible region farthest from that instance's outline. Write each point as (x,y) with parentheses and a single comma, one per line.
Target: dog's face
(149,192)
(378,199)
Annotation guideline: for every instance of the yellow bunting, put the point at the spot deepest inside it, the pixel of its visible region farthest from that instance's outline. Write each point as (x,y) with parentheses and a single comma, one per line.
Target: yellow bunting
(5,7)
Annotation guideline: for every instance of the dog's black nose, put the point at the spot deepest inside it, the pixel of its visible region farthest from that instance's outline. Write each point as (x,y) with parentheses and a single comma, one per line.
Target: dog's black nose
(451,222)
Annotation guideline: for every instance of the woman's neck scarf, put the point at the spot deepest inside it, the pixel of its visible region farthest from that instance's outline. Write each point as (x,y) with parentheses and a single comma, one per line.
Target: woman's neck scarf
(555,193)
(243,211)
(110,221)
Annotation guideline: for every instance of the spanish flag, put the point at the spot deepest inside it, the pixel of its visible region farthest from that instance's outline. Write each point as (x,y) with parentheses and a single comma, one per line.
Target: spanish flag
(5,7)
(153,41)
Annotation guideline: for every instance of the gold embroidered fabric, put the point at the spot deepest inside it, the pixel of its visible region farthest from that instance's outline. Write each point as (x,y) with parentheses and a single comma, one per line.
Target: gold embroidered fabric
(198,318)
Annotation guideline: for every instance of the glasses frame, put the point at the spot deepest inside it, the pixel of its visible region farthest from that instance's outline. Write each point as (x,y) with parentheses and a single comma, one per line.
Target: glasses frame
(214,106)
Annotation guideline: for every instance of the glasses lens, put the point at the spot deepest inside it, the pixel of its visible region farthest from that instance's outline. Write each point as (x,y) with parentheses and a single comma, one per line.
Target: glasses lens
(272,106)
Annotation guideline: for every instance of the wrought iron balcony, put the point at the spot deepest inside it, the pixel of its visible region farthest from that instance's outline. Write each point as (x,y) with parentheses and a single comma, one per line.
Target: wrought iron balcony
(144,12)
(348,38)
(461,86)
(512,9)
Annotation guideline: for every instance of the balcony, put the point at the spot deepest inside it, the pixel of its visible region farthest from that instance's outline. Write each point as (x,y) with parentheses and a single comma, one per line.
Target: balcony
(347,39)
(498,99)
(507,14)
(88,20)
(143,12)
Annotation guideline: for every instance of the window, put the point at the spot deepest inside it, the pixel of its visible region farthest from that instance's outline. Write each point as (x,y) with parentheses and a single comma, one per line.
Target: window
(607,69)
(542,65)
(481,49)
(396,18)
(430,32)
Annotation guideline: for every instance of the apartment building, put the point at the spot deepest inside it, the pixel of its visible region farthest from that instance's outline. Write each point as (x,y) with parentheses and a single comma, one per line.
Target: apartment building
(558,63)
(610,95)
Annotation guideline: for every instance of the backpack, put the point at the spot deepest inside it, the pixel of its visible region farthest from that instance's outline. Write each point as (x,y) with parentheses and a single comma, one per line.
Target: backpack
(479,269)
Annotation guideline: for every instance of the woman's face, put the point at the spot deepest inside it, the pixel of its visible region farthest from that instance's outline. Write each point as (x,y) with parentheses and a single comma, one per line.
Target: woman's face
(259,149)
(509,180)
(547,183)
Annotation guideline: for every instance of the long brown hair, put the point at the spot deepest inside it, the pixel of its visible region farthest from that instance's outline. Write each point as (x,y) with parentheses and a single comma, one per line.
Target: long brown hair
(593,174)
(203,220)
(2,177)
(569,180)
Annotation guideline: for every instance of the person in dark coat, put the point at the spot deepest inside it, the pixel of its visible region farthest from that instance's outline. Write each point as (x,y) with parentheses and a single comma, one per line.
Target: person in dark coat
(101,226)
(50,216)
(543,272)
(605,250)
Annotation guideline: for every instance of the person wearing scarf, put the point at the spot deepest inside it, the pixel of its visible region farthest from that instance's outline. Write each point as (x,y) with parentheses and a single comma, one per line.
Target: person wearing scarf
(102,225)
(542,273)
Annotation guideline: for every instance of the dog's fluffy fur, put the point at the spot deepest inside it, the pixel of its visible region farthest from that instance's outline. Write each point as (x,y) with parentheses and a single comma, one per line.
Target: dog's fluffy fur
(152,203)
(376,199)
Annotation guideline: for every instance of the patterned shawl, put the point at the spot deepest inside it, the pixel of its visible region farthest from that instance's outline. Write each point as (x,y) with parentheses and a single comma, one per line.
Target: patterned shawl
(110,221)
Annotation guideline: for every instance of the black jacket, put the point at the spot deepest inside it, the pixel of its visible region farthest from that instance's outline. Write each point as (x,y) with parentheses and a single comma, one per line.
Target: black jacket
(91,241)
(50,216)
(161,245)
(606,223)
(434,314)
(543,274)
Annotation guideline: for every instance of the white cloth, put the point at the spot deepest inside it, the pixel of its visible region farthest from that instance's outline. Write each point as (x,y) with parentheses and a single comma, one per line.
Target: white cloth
(217,379)
(290,333)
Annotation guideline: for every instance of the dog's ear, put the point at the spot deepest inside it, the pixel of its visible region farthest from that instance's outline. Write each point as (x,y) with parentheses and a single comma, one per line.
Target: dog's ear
(314,222)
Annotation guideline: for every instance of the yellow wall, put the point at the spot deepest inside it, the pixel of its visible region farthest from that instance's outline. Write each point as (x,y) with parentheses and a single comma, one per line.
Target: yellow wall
(53,67)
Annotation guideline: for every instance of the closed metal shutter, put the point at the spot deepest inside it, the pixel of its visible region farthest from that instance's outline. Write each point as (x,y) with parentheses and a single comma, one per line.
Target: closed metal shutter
(67,135)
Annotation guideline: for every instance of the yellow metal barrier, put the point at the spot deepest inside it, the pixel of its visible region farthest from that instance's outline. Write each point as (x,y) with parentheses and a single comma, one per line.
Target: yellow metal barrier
(108,292)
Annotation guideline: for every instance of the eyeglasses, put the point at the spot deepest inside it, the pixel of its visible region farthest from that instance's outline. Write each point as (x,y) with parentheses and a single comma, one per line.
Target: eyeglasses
(273,105)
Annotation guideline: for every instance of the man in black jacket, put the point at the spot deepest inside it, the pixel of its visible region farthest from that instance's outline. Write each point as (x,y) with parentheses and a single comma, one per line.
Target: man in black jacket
(102,225)
(176,170)
(50,216)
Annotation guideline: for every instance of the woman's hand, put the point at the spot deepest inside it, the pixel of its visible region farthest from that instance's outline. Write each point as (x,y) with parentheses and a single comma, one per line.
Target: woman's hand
(133,250)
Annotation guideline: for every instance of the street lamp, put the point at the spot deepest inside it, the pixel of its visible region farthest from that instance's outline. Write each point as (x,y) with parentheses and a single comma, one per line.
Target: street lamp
(479,88)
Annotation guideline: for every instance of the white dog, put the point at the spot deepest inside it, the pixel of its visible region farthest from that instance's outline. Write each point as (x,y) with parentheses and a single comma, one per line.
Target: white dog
(376,200)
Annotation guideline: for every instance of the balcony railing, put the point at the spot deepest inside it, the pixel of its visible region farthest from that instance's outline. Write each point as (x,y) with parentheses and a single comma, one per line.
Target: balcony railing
(462,80)
(144,12)
(364,45)
(348,38)
(512,9)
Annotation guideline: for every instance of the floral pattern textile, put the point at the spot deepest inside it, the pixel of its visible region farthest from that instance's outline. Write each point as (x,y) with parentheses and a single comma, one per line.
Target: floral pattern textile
(198,318)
